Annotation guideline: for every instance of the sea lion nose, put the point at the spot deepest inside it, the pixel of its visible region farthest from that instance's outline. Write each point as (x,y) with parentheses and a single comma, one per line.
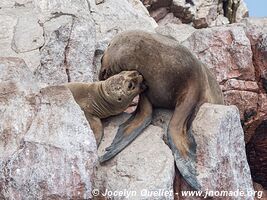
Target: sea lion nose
(131,85)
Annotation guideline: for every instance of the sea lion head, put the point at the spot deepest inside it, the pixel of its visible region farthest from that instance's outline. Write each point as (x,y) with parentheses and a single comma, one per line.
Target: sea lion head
(123,52)
(121,88)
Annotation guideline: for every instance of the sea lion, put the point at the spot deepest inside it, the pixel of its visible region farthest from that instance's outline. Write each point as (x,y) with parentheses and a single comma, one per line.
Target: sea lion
(102,99)
(176,79)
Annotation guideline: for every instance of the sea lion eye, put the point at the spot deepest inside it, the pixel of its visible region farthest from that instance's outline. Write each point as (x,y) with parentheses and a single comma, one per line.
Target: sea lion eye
(119,99)
(131,86)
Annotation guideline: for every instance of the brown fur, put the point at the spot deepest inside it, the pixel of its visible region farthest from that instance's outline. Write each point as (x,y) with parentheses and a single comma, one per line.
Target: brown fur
(102,99)
(174,76)
(175,79)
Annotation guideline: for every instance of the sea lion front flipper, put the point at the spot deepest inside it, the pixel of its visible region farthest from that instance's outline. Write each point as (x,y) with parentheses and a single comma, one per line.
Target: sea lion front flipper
(130,129)
(96,126)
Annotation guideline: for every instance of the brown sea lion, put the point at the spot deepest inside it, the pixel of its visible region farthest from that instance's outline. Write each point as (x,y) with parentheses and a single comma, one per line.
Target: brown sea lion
(102,99)
(176,79)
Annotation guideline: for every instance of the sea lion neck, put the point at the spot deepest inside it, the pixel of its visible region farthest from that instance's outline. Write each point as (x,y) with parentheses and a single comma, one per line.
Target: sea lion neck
(102,104)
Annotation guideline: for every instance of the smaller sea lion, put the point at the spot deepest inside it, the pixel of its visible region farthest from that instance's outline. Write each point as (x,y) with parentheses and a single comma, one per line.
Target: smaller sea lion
(102,99)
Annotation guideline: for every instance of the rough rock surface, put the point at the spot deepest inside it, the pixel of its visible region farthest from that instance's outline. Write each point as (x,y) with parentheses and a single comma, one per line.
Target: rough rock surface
(47,147)
(236,54)
(261,192)
(221,157)
(200,14)
(257,155)
(146,164)
(227,52)
(256,148)
(62,41)
(180,32)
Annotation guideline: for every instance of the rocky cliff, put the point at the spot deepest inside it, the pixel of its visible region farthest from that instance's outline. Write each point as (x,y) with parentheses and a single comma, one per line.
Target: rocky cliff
(48,150)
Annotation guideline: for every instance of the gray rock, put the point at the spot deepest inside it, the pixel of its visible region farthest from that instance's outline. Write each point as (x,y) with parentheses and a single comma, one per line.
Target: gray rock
(201,13)
(179,32)
(47,147)
(53,69)
(30,37)
(169,19)
(145,165)
(219,21)
(221,155)
(225,50)
(242,11)
(15,3)
(69,51)
(113,17)
(62,41)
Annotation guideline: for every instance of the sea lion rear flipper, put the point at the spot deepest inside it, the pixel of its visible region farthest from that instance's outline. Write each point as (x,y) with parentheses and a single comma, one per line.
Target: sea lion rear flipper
(181,139)
(96,126)
(130,129)
(186,164)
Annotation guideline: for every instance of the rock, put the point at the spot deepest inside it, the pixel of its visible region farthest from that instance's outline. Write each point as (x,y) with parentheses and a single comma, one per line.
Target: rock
(179,32)
(145,165)
(257,154)
(235,10)
(169,19)
(47,147)
(30,37)
(155,4)
(99,2)
(219,21)
(221,157)
(206,13)
(261,192)
(233,84)
(200,14)
(159,13)
(48,8)
(242,11)
(182,10)
(257,33)
(62,41)
(53,69)
(248,112)
(17,90)
(225,50)
(113,17)
(68,54)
